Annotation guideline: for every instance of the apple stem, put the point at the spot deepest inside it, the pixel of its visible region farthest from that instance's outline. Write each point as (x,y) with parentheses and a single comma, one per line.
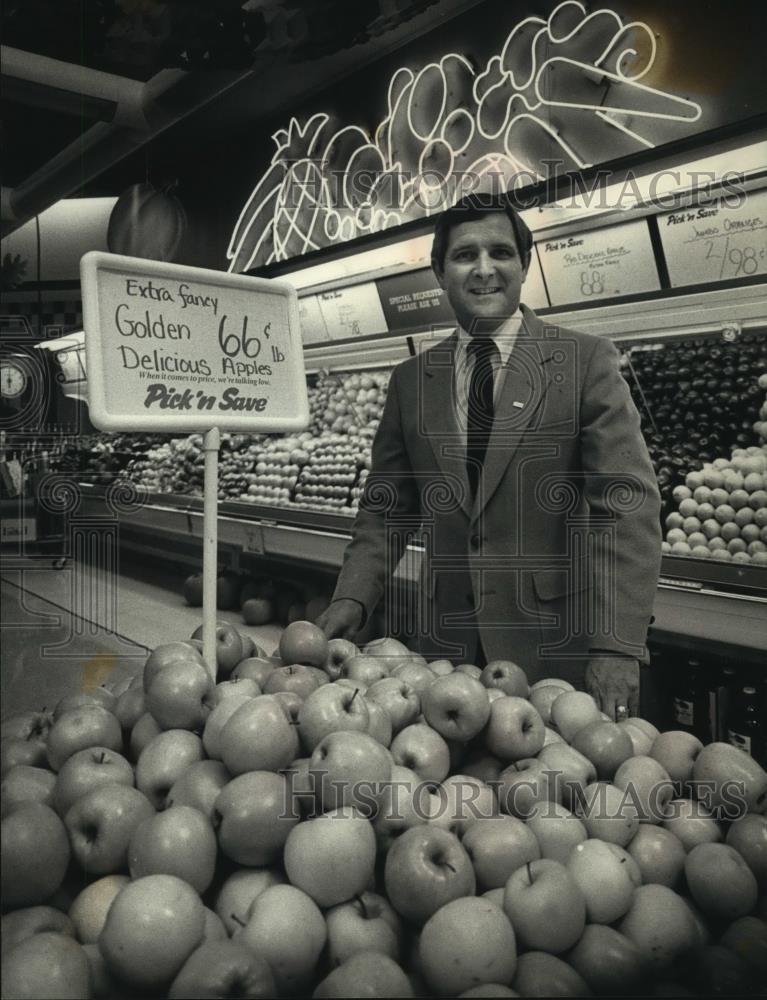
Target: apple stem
(529,872)
(448,865)
(236,919)
(356,692)
(103,757)
(362,906)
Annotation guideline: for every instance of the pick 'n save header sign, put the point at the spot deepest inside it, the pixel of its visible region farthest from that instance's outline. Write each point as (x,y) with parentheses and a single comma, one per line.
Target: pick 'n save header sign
(180,348)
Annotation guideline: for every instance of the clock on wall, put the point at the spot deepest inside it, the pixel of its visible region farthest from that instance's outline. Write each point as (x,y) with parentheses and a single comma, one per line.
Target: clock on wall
(23,390)
(13,379)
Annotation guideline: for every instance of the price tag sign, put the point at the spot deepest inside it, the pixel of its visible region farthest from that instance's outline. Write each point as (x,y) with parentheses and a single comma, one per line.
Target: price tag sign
(599,264)
(534,290)
(313,329)
(253,539)
(716,242)
(352,312)
(173,348)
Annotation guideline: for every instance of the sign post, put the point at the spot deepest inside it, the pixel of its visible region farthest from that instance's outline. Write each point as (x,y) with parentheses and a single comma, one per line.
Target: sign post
(173,348)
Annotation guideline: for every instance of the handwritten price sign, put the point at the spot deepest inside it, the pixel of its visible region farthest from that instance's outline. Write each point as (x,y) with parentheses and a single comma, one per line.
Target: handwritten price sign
(716,242)
(185,349)
(599,264)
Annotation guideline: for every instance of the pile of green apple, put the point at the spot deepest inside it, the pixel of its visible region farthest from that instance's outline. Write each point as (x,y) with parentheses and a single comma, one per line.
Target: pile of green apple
(331,821)
(333,469)
(722,510)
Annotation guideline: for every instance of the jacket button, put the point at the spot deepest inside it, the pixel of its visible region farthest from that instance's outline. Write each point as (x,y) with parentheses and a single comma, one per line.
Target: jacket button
(474,541)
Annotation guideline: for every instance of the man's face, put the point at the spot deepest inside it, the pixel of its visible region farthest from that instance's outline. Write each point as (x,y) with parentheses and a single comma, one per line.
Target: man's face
(483,272)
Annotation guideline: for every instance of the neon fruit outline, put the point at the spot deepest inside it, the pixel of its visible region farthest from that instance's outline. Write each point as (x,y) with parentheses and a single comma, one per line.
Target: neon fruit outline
(328,182)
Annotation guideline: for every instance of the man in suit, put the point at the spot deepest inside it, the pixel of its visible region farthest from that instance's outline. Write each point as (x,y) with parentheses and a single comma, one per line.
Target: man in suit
(517,448)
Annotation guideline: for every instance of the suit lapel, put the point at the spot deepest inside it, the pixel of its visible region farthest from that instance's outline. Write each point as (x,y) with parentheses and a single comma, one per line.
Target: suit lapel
(437,423)
(526,381)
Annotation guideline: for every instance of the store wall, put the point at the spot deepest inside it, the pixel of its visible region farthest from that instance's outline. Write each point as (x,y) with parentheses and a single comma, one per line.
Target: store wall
(67,230)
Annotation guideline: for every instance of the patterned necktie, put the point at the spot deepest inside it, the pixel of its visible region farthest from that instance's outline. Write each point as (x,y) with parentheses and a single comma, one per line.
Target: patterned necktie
(479,423)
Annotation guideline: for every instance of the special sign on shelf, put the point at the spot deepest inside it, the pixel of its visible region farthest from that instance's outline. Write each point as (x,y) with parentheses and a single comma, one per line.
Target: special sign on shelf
(174,348)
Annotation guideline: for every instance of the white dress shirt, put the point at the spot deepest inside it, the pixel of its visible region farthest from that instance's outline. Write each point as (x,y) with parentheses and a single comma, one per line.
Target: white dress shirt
(504,337)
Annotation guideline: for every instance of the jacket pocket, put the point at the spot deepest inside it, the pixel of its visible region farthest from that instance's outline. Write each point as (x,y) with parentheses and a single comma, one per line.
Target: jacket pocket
(549,584)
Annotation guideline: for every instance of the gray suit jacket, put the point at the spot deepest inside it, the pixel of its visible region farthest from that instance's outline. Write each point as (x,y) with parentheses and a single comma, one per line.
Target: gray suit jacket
(558,553)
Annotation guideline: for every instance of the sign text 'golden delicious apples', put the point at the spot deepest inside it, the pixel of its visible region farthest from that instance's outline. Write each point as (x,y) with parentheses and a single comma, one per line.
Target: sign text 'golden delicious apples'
(186,349)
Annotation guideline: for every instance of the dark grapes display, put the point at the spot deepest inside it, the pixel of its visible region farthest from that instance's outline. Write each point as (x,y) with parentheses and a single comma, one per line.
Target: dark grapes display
(698,398)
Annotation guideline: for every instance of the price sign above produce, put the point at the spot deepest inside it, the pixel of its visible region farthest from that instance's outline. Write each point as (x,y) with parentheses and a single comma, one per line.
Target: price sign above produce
(719,241)
(180,348)
(599,264)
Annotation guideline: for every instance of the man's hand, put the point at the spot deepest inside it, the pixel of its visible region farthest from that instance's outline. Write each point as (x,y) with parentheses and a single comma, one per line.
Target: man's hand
(342,619)
(613,682)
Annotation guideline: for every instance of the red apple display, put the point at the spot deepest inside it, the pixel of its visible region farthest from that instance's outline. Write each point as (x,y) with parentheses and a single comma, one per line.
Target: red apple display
(199,786)
(254,813)
(89,910)
(498,846)
(545,906)
(329,709)
(332,857)
(303,642)
(573,710)
(80,728)
(256,668)
(35,853)
(506,676)
(456,706)
(349,769)
(691,823)
(540,974)
(660,925)
(101,823)
(46,965)
(514,729)
(296,679)
(286,928)
(748,835)
(366,973)
(467,942)
(86,770)
(609,962)
(180,842)
(720,881)
(648,785)
(659,854)
(426,867)
(399,699)
(366,923)
(339,651)
(606,745)
(20,924)
(236,895)
(676,751)
(153,926)
(223,969)
(179,696)
(24,783)
(167,653)
(162,762)
(607,813)
(738,783)
(557,830)
(607,877)
(258,737)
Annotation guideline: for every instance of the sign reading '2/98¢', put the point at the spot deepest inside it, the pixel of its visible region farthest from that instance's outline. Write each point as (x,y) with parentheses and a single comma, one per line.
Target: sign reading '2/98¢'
(180,348)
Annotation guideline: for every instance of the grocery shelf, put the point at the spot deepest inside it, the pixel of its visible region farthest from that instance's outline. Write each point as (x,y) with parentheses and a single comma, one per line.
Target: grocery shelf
(314,538)
(698,602)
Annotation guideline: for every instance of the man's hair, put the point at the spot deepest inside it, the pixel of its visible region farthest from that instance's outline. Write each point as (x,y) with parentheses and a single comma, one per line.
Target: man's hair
(471,207)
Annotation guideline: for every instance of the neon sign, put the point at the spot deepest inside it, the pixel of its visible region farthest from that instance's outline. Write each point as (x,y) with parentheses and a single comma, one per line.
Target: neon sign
(562,91)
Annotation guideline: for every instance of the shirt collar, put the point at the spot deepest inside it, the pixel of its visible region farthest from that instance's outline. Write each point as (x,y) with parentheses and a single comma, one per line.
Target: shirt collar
(504,336)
